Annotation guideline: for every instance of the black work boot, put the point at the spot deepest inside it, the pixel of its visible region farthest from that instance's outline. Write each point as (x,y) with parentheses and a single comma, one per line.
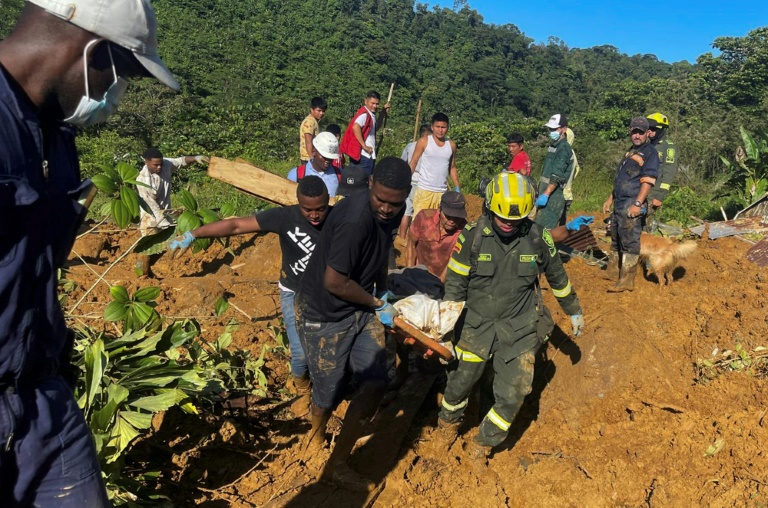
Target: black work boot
(612,270)
(628,271)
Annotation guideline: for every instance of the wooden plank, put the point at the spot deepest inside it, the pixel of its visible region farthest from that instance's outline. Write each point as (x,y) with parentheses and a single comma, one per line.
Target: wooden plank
(253,180)
(404,328)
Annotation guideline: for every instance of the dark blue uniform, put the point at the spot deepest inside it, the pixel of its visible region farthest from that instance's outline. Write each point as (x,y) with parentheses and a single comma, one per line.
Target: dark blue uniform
(639,165)
(47,455)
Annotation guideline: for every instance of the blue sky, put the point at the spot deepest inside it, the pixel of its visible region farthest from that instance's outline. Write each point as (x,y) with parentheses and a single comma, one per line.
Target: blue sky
(673,30)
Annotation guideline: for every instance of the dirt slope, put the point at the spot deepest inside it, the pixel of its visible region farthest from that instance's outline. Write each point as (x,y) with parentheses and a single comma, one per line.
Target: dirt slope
(616,418)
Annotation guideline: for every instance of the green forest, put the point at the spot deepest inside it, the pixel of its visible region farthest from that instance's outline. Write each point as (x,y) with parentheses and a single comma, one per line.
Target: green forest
(249,68)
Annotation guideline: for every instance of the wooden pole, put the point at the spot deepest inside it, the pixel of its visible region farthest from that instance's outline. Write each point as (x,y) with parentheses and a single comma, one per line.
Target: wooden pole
(416,122)
(383,120)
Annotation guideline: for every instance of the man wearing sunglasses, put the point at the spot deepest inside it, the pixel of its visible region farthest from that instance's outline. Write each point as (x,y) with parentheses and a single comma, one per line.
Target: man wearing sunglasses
(65,64)
(635,177)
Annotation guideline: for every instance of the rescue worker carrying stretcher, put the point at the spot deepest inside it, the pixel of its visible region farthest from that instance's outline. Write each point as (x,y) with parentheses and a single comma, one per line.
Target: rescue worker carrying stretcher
(495,269)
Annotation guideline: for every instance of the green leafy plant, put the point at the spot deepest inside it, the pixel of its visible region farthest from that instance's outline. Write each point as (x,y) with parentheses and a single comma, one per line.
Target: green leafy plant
(193,217)
(136,311)
(126,380)
(221,306)
(239,370)
(750,169)
(118,184)
(753,362)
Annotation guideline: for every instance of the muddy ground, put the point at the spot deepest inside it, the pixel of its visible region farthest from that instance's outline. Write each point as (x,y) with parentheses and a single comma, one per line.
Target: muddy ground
(622,416)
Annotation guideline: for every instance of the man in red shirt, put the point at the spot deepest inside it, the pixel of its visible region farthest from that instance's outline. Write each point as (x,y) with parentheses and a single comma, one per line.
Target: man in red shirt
(521,163)
(433,234)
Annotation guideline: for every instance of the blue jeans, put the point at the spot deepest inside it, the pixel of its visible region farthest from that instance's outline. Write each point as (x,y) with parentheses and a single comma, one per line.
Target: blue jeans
(354,345)
(298,358)
(50,459)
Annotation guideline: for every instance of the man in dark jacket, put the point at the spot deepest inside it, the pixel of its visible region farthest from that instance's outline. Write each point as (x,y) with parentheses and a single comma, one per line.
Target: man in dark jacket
(635,177)
(65,64)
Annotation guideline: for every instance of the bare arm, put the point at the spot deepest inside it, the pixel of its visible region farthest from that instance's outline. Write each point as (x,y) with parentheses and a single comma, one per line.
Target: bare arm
(608,203)
(228,227)
(410,249)
(358,132)
(454,170)
(559,233)
(341,286)
(418,150)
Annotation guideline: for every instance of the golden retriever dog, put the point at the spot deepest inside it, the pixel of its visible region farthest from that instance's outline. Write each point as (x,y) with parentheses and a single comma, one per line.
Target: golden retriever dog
(663,255)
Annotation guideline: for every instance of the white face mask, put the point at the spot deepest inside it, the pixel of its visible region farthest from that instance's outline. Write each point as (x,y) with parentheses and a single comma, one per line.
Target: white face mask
(90,111)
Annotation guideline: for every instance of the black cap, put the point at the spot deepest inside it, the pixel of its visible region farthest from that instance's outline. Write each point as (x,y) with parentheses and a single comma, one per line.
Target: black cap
(353,178)
(453,204)
(639,123)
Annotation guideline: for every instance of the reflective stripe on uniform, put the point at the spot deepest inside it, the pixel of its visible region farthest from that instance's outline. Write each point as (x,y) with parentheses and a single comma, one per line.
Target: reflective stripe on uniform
(664,186)
(498,420)
(451,407)
(459,268)
(466,356)
(562,293)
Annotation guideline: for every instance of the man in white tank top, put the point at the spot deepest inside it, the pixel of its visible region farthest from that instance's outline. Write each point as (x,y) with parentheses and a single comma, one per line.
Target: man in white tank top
(435,158)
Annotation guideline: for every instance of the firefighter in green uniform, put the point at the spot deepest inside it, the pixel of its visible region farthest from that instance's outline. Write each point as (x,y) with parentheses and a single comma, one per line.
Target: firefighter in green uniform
(667,167)
(495,269)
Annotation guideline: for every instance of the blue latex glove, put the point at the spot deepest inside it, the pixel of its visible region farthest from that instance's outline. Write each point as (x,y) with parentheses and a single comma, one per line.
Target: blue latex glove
(541,202)
(180,244)
(577,320)
(386,295)
(457,189)
(386,314)
(581,220)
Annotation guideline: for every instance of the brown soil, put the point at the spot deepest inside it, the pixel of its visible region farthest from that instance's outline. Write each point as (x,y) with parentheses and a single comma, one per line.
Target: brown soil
(616,418)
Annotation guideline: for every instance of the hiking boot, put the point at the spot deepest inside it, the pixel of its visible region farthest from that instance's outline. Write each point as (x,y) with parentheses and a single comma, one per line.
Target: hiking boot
(302,388)
(344,476)
(628,271)
(612,270)
(445,434)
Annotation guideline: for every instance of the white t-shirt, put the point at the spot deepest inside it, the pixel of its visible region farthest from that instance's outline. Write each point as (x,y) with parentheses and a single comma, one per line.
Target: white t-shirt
(158,194)
(371,139)
(434,166)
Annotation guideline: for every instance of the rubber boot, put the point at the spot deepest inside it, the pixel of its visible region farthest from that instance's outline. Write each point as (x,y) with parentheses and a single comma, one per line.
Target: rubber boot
(612,270)
(303,389)
(628,271)
(446,434)
(315,439)
(362,407)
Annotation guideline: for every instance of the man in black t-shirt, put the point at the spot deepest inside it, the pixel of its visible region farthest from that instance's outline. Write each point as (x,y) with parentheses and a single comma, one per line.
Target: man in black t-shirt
(335,307)
(299,229)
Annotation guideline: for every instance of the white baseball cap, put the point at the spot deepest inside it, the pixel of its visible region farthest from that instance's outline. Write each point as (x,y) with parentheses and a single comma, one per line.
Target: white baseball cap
(327,145)
(556,121)
(131,24)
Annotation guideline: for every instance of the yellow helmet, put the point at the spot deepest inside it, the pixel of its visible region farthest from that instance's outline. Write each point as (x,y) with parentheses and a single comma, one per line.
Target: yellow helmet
(660,119)
(510,196)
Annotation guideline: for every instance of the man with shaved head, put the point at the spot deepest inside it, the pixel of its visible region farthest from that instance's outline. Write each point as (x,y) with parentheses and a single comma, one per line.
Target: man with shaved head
(65,65)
